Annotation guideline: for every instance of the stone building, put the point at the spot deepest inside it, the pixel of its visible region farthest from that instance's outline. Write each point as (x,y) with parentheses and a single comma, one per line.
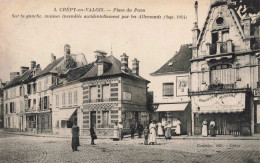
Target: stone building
(2,84)
(28,95)
(112,92)
(171,83)
(225,71)
(67,100)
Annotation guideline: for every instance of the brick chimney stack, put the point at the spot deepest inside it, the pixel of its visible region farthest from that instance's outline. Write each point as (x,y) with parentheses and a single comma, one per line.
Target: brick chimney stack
(13,75)
(66,51)
(33,64)
(124,62)
(53,57)
(135,64)
(23,69)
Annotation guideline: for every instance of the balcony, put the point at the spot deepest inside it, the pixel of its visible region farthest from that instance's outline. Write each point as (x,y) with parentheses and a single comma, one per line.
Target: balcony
(219,47)
(221,86)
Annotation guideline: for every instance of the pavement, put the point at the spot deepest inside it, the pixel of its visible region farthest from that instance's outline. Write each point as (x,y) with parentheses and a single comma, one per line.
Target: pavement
(23,148)
(218,137)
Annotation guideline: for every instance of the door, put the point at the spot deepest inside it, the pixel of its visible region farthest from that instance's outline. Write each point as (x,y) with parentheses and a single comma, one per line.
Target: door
(93,118)
(21,123)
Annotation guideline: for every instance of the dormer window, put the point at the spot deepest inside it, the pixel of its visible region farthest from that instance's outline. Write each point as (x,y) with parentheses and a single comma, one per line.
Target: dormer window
(170,63)
(100,69)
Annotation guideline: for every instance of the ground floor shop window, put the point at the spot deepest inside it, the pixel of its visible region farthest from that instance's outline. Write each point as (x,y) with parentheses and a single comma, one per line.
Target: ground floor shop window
(66,124)
(105,119)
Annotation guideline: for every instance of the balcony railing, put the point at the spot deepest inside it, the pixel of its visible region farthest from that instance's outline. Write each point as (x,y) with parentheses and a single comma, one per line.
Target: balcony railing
(219,47)
(221,86)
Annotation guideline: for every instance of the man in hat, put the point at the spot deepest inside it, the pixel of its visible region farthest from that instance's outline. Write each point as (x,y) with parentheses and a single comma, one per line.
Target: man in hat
(132,128)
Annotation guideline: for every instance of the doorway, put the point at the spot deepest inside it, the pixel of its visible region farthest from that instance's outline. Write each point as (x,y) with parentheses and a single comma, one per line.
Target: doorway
(93,118)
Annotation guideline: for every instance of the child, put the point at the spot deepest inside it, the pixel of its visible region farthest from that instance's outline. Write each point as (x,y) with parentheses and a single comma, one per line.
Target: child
(146,133)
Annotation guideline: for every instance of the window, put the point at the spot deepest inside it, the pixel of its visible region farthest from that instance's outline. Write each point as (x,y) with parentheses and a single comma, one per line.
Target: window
(57,100)
(45,102)
(100,69)
(75,97)
(12,107)
(105,119)
(63,99)
(34,88)
(34,104)
(203,76)
(40,86)
(222,74)
(105,92)
(6,108)
(167,89)
(93,94)
(66,124)
(21,90)
(237,72)
(219,20)
(28,89)
(70,98)
(29,103)
(45,83)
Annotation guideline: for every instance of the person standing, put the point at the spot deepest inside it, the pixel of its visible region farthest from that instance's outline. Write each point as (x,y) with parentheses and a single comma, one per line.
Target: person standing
(212,128)
(204,128)
(160,129)
(178,127)
(120,130)
(140,129)
(146,134)
(168,130)
(152,129)
(116,132)
(132,128)
(75,137)
(92,134)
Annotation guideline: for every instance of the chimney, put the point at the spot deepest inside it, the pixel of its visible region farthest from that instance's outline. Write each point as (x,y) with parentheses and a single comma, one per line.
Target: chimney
(53,57)
(135,66)
(23,69)
(124,62)
(66,51)
(33,64)
(196,13)
(100,54)
(13,75)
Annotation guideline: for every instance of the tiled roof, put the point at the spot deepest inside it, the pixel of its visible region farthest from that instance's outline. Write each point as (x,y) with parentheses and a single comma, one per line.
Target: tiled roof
(114,69)
(76,73)
(50,66)
(180,62)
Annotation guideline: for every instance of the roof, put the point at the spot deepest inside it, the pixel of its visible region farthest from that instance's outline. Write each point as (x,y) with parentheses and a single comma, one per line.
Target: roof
(113,69)
(21,78)
(50,67)
(180,62)
(76,73)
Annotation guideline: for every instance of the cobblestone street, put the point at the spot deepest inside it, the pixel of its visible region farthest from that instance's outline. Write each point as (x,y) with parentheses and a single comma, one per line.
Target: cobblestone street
(17,148)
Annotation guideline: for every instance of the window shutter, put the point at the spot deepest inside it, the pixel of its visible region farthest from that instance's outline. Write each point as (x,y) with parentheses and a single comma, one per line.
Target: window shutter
(48,102)
(14,107)
(42,103)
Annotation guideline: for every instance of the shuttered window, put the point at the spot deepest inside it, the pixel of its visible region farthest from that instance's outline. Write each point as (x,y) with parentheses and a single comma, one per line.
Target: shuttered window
(167,89)
(222,74)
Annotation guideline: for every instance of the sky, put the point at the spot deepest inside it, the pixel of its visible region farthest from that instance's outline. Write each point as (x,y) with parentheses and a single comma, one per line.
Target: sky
(153,42)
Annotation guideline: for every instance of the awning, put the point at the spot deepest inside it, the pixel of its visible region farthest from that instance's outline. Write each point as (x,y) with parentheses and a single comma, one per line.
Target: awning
(65,114)
(172,107)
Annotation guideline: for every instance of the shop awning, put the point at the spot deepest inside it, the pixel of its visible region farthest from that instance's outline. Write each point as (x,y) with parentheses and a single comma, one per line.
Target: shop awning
(172,107)
(65,114)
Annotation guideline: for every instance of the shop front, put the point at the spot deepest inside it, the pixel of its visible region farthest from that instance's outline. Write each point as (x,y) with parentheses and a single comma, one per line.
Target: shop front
(174,113)
(230,112)
(39,122)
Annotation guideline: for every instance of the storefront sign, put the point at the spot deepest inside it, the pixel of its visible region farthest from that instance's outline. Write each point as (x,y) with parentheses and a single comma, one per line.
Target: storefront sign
(219,103)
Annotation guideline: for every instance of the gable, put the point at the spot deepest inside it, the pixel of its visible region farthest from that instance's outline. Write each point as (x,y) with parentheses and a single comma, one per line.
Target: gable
(221,18)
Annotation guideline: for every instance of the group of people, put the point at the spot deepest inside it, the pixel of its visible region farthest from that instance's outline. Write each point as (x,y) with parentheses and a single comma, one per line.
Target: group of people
(212,126)
(118,131)
(75,136)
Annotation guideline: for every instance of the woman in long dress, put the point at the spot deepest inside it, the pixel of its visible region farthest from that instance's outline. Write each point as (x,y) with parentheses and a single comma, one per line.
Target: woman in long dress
(116,134)
(205,128)
(178,127)
(160,129)
(152,128)
(168,130)
(212,128)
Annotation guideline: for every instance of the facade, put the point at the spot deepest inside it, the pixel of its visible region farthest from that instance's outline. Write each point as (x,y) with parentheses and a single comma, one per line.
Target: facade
(112,92)
(67,101)
(172,82)
(225,71)
(28,95)
(1,104)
